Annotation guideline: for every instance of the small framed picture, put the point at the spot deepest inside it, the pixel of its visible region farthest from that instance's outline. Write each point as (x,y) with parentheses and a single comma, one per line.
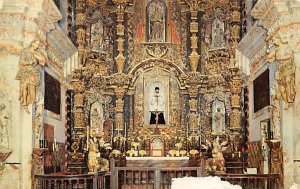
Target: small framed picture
(266,130)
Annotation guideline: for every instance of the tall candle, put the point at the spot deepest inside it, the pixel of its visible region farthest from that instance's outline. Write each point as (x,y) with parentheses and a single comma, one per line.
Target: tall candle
(112,133)
(55,144)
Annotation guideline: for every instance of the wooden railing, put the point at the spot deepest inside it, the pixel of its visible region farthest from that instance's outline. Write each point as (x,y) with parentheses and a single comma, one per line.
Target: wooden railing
(81,181)
(253,181)
(149,177)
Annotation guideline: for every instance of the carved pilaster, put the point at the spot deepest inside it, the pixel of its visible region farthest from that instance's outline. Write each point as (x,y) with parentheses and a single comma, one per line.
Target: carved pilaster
(120,10)
(194,56)
(235,23)
(79,123)
(120,92)
(80,32)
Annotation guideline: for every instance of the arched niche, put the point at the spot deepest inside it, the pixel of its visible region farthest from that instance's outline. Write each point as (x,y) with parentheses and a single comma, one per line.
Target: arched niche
(97,112)
(144,85)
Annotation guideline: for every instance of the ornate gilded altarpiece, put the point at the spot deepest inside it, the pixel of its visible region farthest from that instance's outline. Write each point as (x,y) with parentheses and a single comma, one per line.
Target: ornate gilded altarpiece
(169,61)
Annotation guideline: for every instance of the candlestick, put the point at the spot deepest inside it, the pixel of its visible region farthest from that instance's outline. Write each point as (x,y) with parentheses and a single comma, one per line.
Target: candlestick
(55,144)
(112,133)
(87,137)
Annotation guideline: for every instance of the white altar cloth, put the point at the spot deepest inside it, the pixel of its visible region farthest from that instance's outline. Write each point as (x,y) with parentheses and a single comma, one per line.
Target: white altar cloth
(157,158)
(202,182)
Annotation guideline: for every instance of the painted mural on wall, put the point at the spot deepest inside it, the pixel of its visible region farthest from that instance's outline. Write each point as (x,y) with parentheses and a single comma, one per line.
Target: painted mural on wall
(5,115)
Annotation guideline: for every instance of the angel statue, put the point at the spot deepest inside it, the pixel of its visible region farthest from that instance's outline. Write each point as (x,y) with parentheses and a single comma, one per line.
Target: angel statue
(217,162)
(28,73)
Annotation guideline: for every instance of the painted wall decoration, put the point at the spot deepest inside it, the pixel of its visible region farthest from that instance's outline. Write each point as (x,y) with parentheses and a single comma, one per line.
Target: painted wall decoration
(52,94)
(5,114)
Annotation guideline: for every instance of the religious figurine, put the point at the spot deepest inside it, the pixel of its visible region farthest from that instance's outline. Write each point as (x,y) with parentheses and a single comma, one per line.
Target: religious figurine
(96,123)
(285,73)
(28,73)
(217,162)
(157,108)
(156,28)
(218,122)
(97,36)
(218,34)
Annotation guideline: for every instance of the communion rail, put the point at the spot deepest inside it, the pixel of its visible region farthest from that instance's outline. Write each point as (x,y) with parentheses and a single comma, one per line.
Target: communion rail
(80,181)
(253,181)
(150,177)
(154,175)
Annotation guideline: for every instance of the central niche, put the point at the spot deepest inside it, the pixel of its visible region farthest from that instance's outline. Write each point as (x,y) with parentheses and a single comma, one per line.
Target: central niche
(156,93)
(157,98)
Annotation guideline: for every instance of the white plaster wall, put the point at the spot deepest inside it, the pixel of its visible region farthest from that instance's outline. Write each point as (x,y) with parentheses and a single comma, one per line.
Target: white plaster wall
(256,118)
(288,144)
(296,124)
(20,130)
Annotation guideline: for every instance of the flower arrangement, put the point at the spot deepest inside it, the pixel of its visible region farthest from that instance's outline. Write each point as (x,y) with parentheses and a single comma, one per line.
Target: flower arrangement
(142,152)
(130,152)
(193,152)
(116,152)
(172,152)
(182,153)
(135,145)
(178,145)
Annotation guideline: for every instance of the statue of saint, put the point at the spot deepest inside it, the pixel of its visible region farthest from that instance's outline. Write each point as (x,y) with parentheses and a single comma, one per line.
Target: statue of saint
(157,108)
(156,16)
(218,122)
(28,73)
(218,34)
(96,123)
(97,36)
